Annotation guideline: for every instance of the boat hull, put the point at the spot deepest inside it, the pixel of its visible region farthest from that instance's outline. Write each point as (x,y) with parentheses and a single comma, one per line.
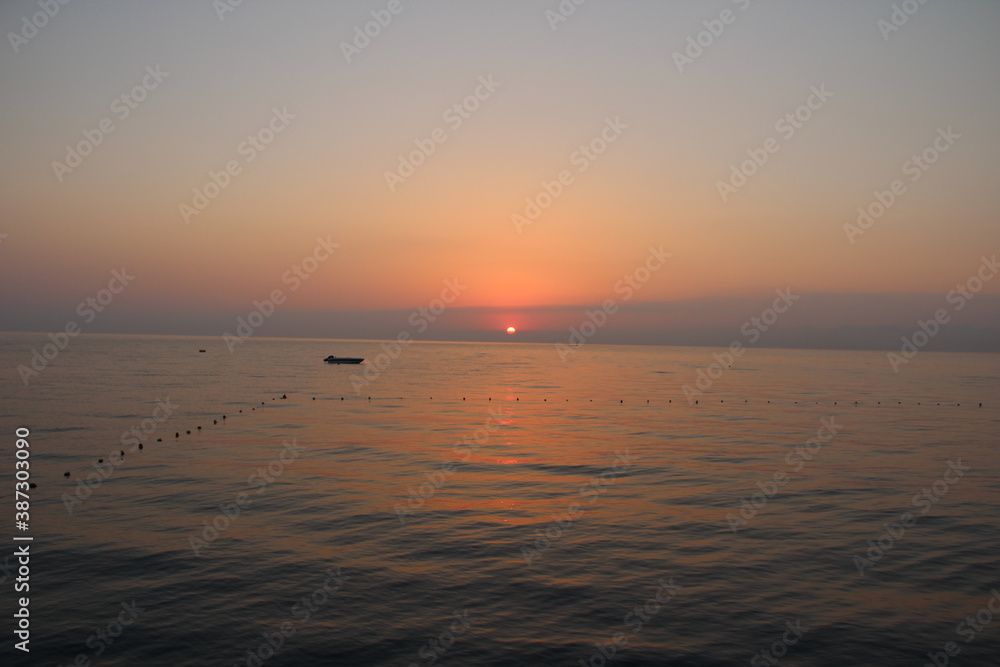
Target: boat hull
(343,360)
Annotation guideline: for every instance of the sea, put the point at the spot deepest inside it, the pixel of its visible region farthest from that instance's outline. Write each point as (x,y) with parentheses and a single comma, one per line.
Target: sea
(496,504)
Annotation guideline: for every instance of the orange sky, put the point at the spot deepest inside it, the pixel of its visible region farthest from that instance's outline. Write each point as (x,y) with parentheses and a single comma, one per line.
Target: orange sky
(324,173)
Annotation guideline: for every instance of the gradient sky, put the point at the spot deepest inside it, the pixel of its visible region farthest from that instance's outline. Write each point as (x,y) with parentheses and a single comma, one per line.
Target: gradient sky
(324,175)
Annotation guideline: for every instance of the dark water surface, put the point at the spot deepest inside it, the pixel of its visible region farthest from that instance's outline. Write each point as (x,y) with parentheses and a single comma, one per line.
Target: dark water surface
(432,525)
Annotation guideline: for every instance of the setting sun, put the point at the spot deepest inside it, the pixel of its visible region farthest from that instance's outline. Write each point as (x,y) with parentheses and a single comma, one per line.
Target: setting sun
(511,330)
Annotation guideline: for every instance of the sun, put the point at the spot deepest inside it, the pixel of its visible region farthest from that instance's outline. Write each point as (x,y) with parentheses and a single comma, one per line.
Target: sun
(511,330)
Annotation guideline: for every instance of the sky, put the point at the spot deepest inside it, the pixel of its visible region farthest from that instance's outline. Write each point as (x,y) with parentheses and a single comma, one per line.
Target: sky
(535,158)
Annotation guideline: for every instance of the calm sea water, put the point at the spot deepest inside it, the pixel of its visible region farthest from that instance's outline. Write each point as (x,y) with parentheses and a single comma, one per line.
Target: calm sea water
(492,505)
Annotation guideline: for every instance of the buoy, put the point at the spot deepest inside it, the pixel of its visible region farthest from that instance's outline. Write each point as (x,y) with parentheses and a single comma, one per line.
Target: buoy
(188,432)
(100,460)
(66,474)
(241,412)
(159,439)
(341,398)
(314,398)
(284,396)
(199,428)
(696,402)
(32,486)
(215,421)
(140,445)
(223,416)
(177,435)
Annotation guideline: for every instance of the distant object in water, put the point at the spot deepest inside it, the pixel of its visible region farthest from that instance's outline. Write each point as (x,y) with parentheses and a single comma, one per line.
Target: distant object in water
(201,351)
(343,360)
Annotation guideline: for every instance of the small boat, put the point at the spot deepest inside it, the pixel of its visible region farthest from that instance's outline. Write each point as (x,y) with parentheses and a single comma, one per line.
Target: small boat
(343,360)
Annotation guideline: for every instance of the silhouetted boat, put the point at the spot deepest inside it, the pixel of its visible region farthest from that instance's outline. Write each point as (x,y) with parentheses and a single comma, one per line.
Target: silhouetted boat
(343,360)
